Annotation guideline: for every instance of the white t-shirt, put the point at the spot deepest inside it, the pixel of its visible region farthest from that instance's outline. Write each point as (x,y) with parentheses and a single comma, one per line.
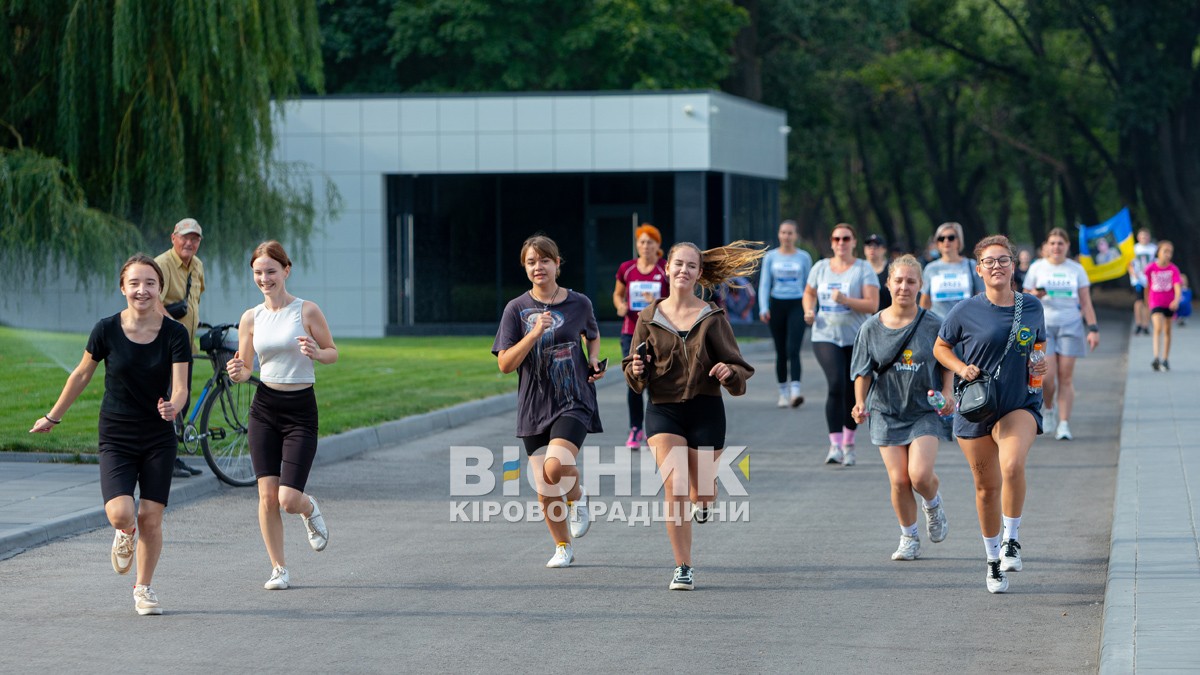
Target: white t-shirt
(1061,283)
(838,323)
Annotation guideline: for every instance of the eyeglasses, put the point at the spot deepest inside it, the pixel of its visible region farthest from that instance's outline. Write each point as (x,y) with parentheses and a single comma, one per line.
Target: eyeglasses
(841,239)
(947,237)
(992,263)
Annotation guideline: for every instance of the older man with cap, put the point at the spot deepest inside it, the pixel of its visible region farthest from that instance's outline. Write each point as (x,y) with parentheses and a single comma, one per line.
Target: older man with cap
(183,282)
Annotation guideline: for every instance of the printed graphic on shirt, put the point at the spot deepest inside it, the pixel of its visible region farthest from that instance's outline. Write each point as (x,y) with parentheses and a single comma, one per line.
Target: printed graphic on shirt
(1162,280)
(554,363)
(906,362)
(642,293)
(1024,336)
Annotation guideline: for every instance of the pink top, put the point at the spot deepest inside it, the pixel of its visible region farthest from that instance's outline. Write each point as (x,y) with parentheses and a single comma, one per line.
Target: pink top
(641,289)
(1160,291)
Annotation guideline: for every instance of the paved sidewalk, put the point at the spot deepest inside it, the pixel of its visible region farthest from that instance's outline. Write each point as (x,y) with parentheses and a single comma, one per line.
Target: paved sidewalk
(1152,601)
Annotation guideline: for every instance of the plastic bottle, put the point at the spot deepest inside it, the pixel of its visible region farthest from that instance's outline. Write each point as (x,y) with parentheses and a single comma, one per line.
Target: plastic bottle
(1036,356)
(936,400)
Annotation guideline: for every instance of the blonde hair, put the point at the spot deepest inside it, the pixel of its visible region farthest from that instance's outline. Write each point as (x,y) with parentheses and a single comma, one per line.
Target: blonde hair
(718,265)
(907,260)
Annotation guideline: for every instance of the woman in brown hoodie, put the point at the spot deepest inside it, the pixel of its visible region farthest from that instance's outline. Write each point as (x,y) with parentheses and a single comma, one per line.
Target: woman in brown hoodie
(685,352)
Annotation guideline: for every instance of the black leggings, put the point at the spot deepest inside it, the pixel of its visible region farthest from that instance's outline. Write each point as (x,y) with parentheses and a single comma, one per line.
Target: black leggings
(787,329)
(283,434)
(637,406)
(835,361)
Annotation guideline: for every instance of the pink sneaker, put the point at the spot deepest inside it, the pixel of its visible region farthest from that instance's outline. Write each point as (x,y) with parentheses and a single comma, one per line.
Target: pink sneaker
(632,441)
(641,439)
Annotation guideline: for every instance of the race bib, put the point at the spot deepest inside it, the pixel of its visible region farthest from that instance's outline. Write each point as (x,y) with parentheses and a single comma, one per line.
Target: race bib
(1061,285)
(786,271)
(831,309)
(950,287)
(642,293)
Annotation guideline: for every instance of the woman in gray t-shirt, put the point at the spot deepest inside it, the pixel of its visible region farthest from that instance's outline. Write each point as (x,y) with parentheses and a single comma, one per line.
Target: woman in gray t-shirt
(951,278)
(899,342)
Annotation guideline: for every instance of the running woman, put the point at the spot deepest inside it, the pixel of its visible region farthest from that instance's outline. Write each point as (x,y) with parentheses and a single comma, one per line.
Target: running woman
(904,424)
(639,282)
(288,335)
(539,337)
(1064,289)
(996,449)
(842,291)
(1164,291)
(951,278)
(781,306)
(146,358)
(689,354)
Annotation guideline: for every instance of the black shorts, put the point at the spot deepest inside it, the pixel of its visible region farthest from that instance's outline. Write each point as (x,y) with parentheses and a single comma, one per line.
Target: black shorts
(1165,311)
(701,421)
(565,427)
(136,453)
(283,434)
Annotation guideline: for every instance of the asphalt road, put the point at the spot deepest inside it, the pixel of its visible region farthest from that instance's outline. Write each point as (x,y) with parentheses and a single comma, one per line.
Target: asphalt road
(805,584)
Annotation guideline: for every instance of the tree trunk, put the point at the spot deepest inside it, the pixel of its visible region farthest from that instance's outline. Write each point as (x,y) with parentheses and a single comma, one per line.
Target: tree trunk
(745,74)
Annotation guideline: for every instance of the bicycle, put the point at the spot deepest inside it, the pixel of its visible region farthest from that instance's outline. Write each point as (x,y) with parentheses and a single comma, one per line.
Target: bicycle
(223,408)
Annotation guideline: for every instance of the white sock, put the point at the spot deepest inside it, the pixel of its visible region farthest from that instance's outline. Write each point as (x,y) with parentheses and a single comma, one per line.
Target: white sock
(992,544)
(1011,525)
(932,503)
(783,388)
(795,388)
(909,530)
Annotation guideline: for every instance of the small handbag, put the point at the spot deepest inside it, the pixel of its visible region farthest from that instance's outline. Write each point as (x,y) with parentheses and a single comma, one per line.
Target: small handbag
(178,310)
(979,398)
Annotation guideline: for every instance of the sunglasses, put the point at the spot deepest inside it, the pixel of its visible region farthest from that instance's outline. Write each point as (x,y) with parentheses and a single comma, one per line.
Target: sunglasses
(841,239)
(947,237)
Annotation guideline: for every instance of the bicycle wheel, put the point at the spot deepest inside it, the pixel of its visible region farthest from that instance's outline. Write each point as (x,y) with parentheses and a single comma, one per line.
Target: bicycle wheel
(223,431)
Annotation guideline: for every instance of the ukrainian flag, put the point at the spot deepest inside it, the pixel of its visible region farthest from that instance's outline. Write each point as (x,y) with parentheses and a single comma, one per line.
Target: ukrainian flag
(1105,250)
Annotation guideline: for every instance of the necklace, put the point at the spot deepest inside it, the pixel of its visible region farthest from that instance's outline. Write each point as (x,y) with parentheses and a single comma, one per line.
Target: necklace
(545,303)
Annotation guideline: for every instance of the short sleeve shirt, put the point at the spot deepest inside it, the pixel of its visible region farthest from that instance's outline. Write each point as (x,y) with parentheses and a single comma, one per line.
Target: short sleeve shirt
(1061,283)
(979,330)
(553,376)
(641,289)
(1162,280)
(175,283)
(137,375)
(838,323)
(948,284)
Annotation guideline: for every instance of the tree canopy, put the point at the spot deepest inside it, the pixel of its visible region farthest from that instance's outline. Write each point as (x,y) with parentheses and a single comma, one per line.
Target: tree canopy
(119,118)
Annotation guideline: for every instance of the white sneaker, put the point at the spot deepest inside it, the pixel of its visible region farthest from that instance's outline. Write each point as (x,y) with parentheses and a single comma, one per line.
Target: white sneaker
(683,579)
(318,533)
(936,525)
(848,458)
(579,517)
(783,402)
(145,601)
(909,549)
(123,548)
(835,455)
(279,579)
(1063,432)
(1010,556)
(701,514)
(795,398)
(563,556)
(997,581)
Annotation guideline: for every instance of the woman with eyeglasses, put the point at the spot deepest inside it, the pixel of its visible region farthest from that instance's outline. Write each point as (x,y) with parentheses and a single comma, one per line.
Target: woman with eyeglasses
(980,329)
(842,291)
(951,278)
(1064,289)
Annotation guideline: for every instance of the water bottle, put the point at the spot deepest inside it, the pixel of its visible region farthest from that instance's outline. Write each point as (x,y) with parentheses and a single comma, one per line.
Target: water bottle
(1036,356)
(936,400)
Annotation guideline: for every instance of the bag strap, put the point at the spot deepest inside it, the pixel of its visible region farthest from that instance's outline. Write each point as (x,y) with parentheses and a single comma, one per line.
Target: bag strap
(187,291)
(907,337)
(1018,302)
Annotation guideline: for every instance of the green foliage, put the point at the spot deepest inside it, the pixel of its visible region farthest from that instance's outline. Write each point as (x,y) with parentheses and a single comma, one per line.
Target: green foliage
(155,111)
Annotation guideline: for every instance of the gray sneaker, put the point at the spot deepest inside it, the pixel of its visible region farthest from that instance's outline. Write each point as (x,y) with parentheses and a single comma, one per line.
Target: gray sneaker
(848,458)
(318,533)
(835,455)
(935,523)
(145,601)
(909,549)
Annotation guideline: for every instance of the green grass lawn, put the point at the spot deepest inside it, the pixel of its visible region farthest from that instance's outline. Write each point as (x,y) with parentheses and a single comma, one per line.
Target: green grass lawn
(375,381)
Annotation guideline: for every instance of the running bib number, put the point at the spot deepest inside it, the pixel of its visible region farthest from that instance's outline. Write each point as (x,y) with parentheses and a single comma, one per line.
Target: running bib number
(1061,286)
(950,287)
(642,293)
(786,272)
(833,311)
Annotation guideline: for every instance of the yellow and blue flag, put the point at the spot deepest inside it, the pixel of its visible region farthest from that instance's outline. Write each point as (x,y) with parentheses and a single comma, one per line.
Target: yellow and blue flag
(1105,250)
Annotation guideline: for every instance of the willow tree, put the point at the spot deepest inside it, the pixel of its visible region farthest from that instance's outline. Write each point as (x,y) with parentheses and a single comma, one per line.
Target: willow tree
(118,118)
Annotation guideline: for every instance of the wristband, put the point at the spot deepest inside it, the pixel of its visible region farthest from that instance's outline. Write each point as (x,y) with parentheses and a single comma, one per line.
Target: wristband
(51,420)
(1093,328)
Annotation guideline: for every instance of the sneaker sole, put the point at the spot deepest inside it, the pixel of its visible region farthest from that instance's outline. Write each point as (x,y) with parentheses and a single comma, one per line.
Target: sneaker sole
(798,401)
(153,611)
(904,559)
(277,587)
(1006,567)
(1002,589)
(675,586)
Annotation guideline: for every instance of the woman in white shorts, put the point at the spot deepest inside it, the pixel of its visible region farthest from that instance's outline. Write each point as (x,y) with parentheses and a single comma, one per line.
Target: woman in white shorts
(1071,330)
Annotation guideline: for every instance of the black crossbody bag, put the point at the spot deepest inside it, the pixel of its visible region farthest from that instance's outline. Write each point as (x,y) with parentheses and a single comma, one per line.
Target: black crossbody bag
(178,310)
(978,399)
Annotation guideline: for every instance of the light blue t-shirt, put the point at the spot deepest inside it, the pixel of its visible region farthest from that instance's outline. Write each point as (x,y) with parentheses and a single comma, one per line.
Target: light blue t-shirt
(948,284)
(838,323)
(783,277)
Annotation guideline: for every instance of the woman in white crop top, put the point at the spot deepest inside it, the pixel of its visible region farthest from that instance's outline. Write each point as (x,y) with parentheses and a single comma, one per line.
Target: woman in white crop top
(287,334)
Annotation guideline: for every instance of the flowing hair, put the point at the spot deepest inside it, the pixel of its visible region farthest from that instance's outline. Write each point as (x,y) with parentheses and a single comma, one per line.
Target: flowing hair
(718,265)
